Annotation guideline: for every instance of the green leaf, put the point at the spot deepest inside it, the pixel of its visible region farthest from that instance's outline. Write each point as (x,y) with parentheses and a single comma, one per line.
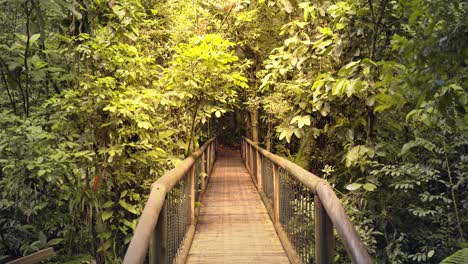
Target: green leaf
(369,187)
(21,37)
(72,9)
(106,215)
(128,207)
(282,134)
(108,204)
(287,6)
(166,134)
(430,253)
(353,186)
(418,142)
(144,125)
(34,38)
(349,68)
(305,120)
(295,119)
(54,241)
(357,154)
(218,114)
(458,257)
(291,40)
(340,26)
(339,87)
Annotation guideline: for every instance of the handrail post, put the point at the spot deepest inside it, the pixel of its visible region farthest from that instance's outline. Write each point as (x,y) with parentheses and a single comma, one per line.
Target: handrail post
(254,164)
(276,193)
(158,249)
(324,240)
(244,153)
(193,186)
(203,169)
(213,155)
(208,160)
(259,170)
(248,158)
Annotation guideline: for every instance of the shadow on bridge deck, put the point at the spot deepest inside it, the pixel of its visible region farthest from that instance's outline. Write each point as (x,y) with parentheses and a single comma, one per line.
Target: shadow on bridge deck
(233,225)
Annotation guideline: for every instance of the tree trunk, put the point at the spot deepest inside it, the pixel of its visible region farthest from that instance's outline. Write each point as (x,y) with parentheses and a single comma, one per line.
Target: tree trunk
(254,120)
(248,125)
(305,150)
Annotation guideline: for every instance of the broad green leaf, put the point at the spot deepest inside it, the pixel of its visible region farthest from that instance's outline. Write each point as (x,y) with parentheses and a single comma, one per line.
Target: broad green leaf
(369,187)
(34,38)
(54,241)
(282,134)
(353,186)
(165,134)
(348,69)
(108,204)
(128,207)
(295,119)
(418,142)
(459,257)
(305,120)
(21,37)
(106,215)
(339,87)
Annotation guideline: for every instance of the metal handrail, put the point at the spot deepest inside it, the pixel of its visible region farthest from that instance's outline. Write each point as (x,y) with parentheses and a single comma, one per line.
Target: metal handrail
(326,198)
(145,229)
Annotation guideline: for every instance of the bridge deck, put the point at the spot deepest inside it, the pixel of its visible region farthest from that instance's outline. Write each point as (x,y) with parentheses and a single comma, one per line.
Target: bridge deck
(234,226)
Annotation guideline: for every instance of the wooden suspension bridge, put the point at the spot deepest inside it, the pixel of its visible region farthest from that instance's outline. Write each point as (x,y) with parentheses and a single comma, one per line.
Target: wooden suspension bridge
(224,206)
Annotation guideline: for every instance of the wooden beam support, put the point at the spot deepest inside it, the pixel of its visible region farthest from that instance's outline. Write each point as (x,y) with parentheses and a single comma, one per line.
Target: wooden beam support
(35,257)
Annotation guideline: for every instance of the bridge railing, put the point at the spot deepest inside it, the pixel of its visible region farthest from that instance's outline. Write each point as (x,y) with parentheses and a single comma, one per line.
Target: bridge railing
(167,225)
(303,207)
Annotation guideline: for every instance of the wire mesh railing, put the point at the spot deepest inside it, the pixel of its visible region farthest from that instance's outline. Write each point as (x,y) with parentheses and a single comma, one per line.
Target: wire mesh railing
(178,215)
(303,207)
(267,179)
(167,225)
(296,215)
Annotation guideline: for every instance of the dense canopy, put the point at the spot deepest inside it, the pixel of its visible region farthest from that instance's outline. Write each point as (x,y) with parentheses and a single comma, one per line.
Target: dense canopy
(98,98)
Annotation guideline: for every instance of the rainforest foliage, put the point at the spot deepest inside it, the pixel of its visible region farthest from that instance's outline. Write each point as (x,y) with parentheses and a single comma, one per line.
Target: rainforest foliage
(100,97)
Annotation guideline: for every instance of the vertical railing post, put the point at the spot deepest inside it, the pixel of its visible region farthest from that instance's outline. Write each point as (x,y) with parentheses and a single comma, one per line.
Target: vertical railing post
(193,187)
(158,248)
(213,153)
(242,150)
(208,159)
(276,193)
(324,241)
(254,163)
(153,250)
(259,170)
(245,150)
(249,157)
(203,169)
(211,157)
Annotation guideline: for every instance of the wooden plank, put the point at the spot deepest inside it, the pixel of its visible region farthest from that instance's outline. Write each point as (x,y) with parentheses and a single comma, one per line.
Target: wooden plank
(233,225)
(35,257)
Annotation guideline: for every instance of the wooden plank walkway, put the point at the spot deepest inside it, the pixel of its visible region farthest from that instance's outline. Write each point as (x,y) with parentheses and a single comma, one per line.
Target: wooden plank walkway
(233,225)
